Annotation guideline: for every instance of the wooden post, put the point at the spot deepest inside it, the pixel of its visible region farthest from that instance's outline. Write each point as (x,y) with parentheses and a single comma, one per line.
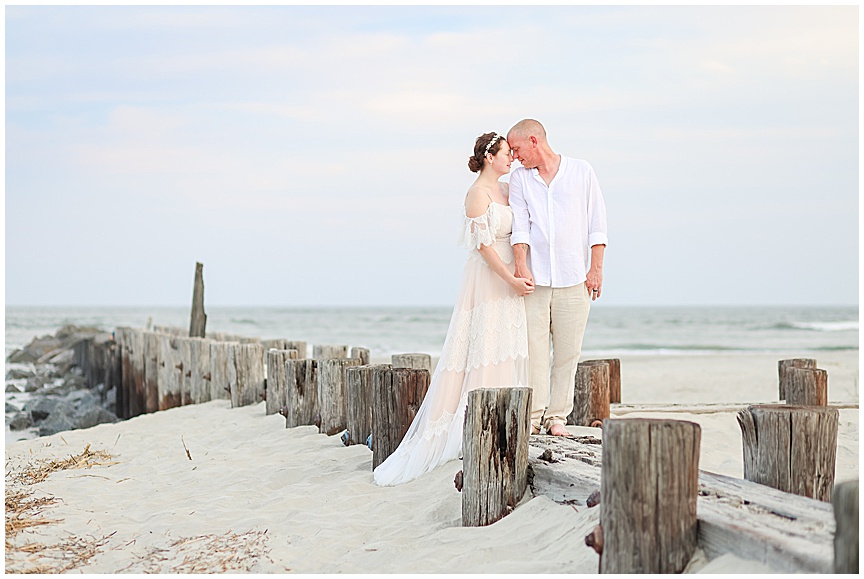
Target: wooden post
(790,448)
(247,385)
(494,453)
(275,344)
(845,502)
(301,392)
(397,394)
(412,361)
(361,353)
(170,377)
(328,352)
(590,394)
(132,372)
(650,483)
(277,379)
(198,323)
(358,393)
(148,398)
(614,378)
(220,381)
(199,370)
(784,365)
(299,346)
(332,404)
(806,386)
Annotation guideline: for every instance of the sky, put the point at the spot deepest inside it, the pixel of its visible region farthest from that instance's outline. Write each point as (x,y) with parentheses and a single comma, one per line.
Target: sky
(315,156)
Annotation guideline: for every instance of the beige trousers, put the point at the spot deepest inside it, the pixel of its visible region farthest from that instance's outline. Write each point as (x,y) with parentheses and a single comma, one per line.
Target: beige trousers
(559,314)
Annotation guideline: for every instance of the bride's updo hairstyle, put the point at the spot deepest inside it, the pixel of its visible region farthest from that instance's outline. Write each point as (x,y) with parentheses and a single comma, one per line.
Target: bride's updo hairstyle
(483,145)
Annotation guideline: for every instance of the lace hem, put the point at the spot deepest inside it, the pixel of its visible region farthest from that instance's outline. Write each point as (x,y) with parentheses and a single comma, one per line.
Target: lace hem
(486,334)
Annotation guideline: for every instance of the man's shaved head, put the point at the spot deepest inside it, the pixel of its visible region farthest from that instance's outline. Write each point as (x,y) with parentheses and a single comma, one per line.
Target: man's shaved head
(527,128)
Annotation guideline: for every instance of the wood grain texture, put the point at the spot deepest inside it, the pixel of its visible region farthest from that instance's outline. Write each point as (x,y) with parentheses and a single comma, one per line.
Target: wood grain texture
(790,448)
(332,402)
(246,381)
(397,394)
(494,453)
(358,392)
(301,392)
(198,321)
(806,387)
(845,506)
(784,365)
(329,351)
(590,393)
(649,490)
(412,361)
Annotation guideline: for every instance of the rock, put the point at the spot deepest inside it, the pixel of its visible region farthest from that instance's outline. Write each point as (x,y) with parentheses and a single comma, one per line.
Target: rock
(10,408)
(93,416)
(82,399)
(22,357)
(41,408)
(56,422)
(12,388)
(19,373)
(34,383)
(74,381)
(20,421)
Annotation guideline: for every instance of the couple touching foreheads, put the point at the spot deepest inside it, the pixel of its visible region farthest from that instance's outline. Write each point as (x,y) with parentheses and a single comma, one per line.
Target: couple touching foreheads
(535,262)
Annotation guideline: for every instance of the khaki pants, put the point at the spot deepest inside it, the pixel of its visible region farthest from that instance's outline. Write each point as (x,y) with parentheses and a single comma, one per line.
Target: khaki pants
(560,314)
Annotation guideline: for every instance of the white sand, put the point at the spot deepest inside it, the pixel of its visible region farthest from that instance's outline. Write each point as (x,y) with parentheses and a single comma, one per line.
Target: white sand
(316,500)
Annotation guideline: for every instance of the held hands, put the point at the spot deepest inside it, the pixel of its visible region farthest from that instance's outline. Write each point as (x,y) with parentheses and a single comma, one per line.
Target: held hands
(523,286)
(523,272)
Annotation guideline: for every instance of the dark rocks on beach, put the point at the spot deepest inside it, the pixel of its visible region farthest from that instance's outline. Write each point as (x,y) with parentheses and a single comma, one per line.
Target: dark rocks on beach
(11,408)
(56,422)
(62,398)
(93,416)
(19,373)
(20,421)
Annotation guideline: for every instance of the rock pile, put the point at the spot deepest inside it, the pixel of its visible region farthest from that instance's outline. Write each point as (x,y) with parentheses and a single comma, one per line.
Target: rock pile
(61,398)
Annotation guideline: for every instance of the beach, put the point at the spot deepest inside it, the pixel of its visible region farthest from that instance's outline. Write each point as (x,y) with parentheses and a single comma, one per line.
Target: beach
(210,488)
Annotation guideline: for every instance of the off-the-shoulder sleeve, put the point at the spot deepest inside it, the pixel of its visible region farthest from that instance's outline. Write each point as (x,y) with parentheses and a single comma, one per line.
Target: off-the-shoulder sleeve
(477,231)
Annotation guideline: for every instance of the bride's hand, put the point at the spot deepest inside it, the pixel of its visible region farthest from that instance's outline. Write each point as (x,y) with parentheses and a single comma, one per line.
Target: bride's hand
(522,286)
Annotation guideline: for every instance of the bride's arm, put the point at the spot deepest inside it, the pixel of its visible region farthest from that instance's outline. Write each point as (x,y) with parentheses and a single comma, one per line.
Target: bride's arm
(476,204)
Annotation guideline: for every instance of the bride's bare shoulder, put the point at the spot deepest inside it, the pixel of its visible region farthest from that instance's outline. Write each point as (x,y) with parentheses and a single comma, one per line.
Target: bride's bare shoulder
(477,200)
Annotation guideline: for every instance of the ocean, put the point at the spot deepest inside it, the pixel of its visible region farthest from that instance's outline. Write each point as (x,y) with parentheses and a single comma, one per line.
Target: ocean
(612,330)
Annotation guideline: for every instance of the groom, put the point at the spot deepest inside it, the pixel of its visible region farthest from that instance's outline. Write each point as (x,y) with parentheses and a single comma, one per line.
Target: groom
(559,213)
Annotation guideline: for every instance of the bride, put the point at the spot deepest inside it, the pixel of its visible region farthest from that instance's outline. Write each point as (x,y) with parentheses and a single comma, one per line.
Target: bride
(487,342)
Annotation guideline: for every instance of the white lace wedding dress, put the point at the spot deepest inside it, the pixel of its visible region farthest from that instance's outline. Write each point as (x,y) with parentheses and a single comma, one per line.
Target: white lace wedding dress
(486,346)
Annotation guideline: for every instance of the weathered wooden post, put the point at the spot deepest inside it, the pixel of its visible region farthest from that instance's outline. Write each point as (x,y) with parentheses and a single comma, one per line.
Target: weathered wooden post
(199,370)
(277,379)
(170,373)
(412,361)
(299,346)
(845,502)
(614,378)
(332,404)
(148,398)
(131,343)
(806,386)
(221,370)
(784,365)
(275,344)
(790,448)
(247,386)
(397,394)
(329,351)
(301,392)
(198,323)
(361,353)
(650,483)
(494,453)
(591,394)
(358,394)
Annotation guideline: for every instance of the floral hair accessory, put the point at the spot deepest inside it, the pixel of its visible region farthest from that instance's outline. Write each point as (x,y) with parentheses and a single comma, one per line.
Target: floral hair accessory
(492,142)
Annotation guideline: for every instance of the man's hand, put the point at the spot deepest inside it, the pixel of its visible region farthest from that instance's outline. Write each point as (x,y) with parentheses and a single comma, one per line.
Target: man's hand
(594,279)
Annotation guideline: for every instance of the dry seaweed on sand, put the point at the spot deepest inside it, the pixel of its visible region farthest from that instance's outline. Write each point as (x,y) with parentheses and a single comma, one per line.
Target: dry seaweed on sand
(24,511)
(213,553)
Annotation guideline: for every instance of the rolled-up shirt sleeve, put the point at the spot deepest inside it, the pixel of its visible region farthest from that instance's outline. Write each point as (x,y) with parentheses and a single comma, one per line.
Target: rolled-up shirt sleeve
(597,234)
(521,227)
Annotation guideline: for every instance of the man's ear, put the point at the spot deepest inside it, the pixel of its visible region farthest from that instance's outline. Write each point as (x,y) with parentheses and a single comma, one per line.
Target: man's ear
(533,140)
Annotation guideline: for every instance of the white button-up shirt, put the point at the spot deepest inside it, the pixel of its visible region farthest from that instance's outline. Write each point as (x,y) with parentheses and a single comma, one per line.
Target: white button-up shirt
(559,222)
